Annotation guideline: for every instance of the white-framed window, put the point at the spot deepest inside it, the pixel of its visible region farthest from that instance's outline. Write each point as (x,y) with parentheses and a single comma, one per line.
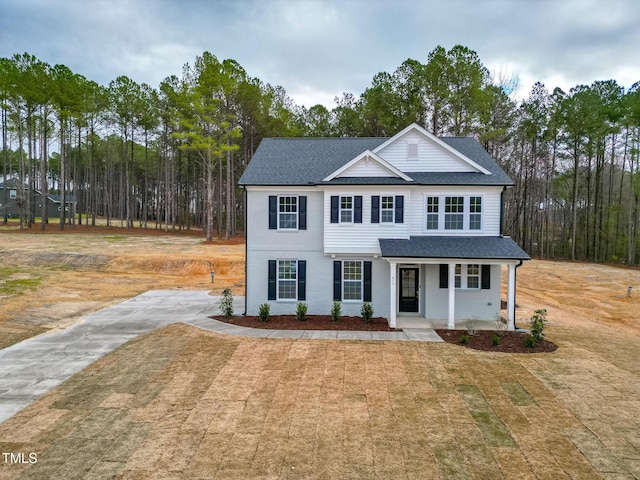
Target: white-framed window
(346,209)
(473,276)
(352,275)
(453,213)
(387,209)
(432,213)
(287,280)
(475,213)
(467,277)
(13,194)
(287,212)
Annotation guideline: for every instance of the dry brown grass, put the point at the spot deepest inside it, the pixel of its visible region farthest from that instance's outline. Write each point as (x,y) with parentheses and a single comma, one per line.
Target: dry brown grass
(183,403)
(80,273)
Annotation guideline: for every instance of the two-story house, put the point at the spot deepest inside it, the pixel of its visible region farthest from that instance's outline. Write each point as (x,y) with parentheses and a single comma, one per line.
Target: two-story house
(410,223)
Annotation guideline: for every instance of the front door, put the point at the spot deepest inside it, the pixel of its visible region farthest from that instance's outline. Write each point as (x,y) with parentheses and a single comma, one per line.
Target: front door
(408,290)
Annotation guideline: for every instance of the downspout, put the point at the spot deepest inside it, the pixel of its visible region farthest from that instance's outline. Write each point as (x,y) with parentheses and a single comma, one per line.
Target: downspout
(502,210)
(246,237)
(515,293)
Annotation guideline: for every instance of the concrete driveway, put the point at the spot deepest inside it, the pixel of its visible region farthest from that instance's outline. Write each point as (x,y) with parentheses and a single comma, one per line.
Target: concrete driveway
(31,368)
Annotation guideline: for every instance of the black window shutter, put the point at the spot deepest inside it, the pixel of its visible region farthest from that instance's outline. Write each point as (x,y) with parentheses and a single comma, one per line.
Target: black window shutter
(337,280)
(444,275)
(486,277)
(399,209)
(367,281)
(272,280)
(357,209)
(273,212)
(375,209)
(335,201)
(302,212)
(302,280)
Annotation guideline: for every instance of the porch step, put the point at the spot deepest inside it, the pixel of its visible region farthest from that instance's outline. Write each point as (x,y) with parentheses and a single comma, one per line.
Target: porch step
(422,334)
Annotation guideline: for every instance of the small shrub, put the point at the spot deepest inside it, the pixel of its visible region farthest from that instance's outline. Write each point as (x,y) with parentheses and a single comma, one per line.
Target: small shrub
(336,311)
(501,323)
(495,340)
(472,326)
(464,339)
(529,341)
(226,304)
(301,311)
(367,312)
(537,324)
(263,312)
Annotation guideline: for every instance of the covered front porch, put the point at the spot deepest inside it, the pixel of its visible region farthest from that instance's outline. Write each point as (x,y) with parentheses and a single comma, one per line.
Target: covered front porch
(451,282)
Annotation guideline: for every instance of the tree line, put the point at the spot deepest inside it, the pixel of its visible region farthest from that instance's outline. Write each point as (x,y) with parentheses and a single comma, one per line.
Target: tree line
(171,156)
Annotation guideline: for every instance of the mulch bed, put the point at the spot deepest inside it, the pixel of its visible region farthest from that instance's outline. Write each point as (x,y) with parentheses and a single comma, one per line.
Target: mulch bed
(510,342)
(313,322)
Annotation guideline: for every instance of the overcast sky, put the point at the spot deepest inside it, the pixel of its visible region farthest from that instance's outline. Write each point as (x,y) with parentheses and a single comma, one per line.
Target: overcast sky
(317,49)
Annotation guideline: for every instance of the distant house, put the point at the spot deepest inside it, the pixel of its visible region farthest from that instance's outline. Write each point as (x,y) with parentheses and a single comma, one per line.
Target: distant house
(12,193)
(411,224)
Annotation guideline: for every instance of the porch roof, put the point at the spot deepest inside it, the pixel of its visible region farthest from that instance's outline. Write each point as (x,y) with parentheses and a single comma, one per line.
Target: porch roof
(496,248)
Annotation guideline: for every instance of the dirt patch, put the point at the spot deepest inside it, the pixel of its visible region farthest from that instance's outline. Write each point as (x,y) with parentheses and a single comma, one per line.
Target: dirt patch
(313,322)
(507,342)
(84,269)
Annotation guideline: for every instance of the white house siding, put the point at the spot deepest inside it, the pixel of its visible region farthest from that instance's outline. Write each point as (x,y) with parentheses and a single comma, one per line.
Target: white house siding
(319,284)
(302,245)
(490,206)
(258,221)
(431,158)
(470,304)
(362,238)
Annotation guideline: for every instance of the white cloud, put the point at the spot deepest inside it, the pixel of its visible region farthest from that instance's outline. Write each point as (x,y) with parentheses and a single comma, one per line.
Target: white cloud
(317,49)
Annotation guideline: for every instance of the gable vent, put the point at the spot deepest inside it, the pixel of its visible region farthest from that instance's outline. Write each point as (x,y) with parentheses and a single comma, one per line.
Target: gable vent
(412,151)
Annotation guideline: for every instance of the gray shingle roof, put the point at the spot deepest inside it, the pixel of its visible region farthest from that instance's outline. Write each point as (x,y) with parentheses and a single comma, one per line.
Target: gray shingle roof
(304,161)
(497,248)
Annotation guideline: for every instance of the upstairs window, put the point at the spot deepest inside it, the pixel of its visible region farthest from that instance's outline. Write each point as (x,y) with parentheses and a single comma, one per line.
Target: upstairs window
(288,213)
(346,209)
(13,194)
(432,213)
(454,213)
(475,213)
(386,209)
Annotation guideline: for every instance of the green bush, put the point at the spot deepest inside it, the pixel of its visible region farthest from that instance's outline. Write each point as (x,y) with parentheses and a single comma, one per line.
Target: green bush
(529,341)
(464,339)
(537,324)
(226,304)
(336,311)
(367,312)
(495,340)
(263,312)
(301,311)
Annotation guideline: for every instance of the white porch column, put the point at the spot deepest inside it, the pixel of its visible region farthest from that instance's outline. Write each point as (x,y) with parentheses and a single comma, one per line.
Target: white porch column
(451,324)
(392,294)
(511,298)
